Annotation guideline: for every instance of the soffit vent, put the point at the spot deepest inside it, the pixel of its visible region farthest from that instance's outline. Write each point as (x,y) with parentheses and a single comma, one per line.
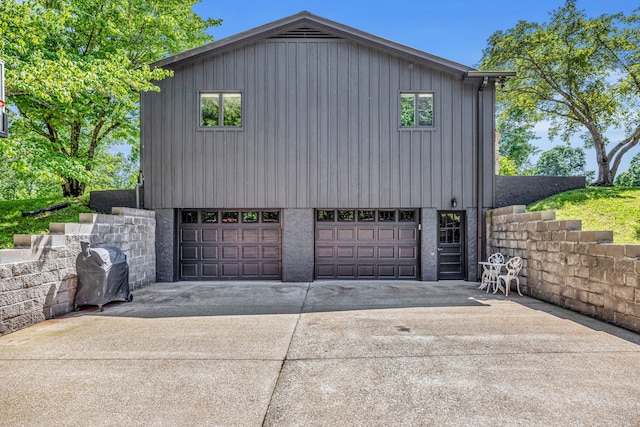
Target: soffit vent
(304,32)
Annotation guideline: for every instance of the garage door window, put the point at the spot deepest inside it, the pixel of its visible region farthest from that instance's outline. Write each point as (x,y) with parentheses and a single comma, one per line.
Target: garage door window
(250,217)
(210,217)
(407,216)
(324,215)
(271,216)
(189,217)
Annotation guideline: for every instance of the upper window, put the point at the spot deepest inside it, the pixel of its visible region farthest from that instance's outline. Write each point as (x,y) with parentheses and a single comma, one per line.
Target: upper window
(416,109)
(221,109)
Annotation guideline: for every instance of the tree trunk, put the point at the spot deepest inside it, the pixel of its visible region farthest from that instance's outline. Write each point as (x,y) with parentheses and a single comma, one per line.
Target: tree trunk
(72,188)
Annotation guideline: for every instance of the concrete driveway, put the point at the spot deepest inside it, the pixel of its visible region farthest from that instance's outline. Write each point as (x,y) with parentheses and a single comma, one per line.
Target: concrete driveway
(320,354)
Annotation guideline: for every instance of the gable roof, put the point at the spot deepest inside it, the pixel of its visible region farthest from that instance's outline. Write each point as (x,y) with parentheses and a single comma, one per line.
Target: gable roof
(306,24)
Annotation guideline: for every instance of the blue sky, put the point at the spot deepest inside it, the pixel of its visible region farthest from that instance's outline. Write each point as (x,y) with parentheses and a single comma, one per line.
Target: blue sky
(453,29)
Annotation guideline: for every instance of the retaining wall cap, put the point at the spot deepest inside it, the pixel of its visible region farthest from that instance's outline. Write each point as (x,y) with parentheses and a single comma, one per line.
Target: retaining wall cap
(508,210)
(132,212)
(11,256)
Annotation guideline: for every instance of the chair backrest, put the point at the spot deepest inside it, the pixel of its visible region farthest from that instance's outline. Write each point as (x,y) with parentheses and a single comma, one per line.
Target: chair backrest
(496,258)
(514,265)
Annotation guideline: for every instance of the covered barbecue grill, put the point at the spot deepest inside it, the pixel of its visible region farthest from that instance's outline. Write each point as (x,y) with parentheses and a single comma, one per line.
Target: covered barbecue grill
(103,276)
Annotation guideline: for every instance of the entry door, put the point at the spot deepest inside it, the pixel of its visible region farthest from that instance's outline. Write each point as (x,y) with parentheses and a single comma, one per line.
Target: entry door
(451,244)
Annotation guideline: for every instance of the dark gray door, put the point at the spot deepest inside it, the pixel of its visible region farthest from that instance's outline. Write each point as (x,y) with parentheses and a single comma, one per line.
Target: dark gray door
(229,244)
(451,244)
(366,244)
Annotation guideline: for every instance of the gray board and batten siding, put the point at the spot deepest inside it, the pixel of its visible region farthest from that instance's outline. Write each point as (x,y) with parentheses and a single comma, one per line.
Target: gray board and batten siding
(320,130)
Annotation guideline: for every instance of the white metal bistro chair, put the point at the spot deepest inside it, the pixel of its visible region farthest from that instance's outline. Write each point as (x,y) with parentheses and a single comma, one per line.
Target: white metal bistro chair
(491,270)
(513,267)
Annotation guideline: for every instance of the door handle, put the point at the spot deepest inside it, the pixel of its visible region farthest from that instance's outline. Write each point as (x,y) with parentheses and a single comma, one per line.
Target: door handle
(439,249)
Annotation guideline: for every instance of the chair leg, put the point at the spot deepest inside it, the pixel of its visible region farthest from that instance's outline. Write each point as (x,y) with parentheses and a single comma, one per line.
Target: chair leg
(483,281)
(507,286)
(518,285)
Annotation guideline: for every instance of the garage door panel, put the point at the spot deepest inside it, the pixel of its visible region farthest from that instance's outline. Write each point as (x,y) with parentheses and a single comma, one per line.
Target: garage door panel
(210,270)
(250,269)
(387,271)
(250,236)
(407,252)
(407,271)
(386,251)
(250,252)
(230,235)
(230,252)
(271,236)
(366,233)
(230,244)
(346,233)
(189,253)
(209,235)
(189,236)
(327,234)
(345,252)
(377,244)
(271,252)
(387,234)
(230,269)
(271,270)
(326,270)
(366,271)
(210,252)
(408,234)
(188,270)
(366,252)
(324,252)
(343,270)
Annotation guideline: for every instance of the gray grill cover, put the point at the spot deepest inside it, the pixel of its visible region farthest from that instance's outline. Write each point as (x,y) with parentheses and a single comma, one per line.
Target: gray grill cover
(103,275)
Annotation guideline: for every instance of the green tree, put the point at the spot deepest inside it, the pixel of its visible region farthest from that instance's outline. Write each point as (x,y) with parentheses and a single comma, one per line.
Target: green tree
(515,144)
(507,166)
(582,74)
(74,72)
(561,161)
(631,178)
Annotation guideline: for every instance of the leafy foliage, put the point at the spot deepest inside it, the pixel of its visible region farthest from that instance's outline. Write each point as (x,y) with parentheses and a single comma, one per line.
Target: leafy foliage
(631,178)
(561,161)
(582,74)
(599,209)
(507,166)
(515,144)
(74,71)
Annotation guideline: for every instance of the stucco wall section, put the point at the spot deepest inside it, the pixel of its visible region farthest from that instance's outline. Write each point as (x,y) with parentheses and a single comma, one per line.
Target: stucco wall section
(166,264)
(523,190)
(38,278)
(567,266)
(298,245)
(429,244)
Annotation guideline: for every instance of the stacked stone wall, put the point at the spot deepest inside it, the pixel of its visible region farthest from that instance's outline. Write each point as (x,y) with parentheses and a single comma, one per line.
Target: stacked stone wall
(38,277)
(580,270)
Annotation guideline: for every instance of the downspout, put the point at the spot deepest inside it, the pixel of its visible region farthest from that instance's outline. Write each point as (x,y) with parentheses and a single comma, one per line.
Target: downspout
(480,166)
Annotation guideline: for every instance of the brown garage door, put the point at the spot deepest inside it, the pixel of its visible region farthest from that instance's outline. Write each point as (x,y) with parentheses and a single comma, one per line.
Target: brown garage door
(229,244)
(366,244)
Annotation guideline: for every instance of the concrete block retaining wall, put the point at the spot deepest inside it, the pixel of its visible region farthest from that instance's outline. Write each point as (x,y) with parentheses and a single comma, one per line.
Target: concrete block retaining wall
(38,278)
(569,267)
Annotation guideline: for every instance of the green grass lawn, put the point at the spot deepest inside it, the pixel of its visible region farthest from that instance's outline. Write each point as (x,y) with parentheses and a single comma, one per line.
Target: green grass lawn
(599,208)
(12,222)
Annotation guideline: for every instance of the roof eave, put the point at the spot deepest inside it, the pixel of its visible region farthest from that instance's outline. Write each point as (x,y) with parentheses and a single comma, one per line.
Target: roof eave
(276,27)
